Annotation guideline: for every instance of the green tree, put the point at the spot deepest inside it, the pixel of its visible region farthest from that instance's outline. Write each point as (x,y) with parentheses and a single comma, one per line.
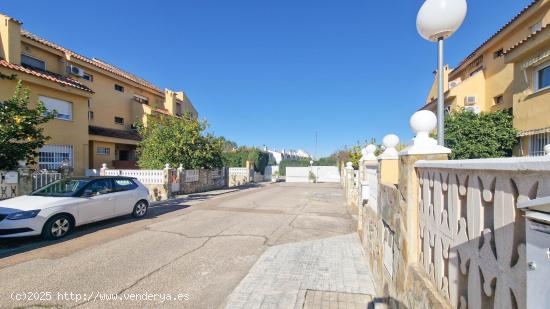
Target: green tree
(20,132)
(238,158)
(484,135)
(178,140)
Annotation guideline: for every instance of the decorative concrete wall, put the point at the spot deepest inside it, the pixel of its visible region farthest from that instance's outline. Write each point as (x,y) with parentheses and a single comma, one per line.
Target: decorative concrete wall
(447,234)
(238,176)
(8,184)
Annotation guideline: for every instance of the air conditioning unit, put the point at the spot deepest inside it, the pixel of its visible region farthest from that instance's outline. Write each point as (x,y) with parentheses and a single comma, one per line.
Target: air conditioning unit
(74,70)
(470,100)
(475,109)
(454,83)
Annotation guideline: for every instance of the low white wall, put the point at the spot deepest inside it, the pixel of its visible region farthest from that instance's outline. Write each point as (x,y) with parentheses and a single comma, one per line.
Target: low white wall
(322,173)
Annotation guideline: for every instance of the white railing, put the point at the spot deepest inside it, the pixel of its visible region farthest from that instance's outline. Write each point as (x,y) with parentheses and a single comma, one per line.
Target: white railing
(41,179)
(146,177)
(472,236)
(191,175)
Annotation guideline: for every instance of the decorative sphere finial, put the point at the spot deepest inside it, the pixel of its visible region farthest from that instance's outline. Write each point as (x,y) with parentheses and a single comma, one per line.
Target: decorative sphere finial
(390,141)
(423,122)
(368,153)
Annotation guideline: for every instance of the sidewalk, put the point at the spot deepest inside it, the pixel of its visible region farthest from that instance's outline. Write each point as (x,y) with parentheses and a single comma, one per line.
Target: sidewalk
(325,273)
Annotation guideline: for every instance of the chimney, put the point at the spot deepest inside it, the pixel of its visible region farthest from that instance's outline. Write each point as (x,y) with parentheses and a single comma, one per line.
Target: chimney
(10,39)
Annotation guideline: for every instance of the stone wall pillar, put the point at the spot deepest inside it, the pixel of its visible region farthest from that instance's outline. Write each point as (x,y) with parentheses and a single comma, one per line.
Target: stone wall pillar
(389,167)
(423,148)
(24,180)
(103,169)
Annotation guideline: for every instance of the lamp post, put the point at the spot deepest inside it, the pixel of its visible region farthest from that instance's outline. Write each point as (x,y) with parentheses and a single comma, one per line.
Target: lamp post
(436,21)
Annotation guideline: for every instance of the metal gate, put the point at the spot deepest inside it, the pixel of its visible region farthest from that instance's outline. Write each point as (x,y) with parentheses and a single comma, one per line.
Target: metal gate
(43,178)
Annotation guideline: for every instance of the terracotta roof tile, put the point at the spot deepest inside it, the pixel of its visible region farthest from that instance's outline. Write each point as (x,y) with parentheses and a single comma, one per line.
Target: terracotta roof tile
(98,63)
(124,134)
(518,15)
(65,81)
(162,111)
(528,38)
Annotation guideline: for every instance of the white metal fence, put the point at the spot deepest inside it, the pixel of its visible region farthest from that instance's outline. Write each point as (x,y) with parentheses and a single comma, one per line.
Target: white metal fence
(43,178)
(146,177)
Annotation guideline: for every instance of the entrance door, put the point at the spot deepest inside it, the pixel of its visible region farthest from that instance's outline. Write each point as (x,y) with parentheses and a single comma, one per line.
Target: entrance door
(123,155)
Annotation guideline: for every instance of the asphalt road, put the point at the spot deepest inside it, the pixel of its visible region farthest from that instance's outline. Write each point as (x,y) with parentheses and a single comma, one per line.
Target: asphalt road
(188,253)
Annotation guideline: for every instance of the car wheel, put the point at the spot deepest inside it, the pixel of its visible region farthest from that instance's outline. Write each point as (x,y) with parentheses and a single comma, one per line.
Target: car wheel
(57,227)
(140,210)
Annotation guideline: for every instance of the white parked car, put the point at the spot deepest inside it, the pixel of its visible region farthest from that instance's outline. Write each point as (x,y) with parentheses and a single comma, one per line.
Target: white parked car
(56,209)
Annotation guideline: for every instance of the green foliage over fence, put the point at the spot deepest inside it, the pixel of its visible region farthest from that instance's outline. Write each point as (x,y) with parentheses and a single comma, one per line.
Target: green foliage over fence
(176,141)
(485,135)
(238,158)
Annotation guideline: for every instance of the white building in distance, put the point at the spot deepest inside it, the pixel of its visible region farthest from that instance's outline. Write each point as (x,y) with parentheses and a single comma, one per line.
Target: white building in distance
(279,156)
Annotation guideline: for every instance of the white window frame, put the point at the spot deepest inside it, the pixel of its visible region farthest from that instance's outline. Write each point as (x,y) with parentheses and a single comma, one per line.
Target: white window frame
(536,76)
(59,153)
(536,146)
(38,59)
(69,117)
(103,151)
(90,75)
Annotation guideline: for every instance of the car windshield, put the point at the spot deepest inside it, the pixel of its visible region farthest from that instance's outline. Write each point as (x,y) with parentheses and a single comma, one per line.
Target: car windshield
(64,187)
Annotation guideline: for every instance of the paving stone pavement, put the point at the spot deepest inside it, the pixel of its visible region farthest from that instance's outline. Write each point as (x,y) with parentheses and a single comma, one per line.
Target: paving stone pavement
(285,274)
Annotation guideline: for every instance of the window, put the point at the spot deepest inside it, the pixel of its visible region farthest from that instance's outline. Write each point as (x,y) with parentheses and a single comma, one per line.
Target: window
(119,88)
(88,77)
(31,62)
(498,99)
(90,115)
(141,99)
(124,185)
(103,151)
(50,157)
(119,120)
(99,186)
(499,53)
(64,109)
(537,143)
(536,27)
(89,103)
(542,77)
(178,109)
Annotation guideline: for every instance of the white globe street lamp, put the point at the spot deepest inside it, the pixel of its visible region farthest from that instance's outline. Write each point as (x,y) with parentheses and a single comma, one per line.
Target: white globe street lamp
(436,21)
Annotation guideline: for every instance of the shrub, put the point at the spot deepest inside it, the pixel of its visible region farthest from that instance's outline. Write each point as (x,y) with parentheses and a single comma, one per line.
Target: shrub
(485,135)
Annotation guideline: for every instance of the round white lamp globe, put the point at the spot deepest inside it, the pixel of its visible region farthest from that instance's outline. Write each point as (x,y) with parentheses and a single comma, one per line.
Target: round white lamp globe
(390,141)
(423,121)
(439,19)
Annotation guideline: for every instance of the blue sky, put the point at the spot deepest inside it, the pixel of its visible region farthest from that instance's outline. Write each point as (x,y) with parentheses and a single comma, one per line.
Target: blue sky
(273,72)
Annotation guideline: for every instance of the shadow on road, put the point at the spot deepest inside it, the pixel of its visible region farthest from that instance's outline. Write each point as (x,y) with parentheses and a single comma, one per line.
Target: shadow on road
(13,246)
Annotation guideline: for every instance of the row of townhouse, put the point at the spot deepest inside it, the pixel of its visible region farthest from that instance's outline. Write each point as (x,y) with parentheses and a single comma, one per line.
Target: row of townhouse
(511,70)
(97,103)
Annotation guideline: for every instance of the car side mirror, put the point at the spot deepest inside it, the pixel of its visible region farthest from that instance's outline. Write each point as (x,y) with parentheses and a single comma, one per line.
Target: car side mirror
(87,193)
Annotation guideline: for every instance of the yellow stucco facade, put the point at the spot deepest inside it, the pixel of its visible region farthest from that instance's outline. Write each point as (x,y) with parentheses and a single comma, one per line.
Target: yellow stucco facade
(491,78)
(104,101)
